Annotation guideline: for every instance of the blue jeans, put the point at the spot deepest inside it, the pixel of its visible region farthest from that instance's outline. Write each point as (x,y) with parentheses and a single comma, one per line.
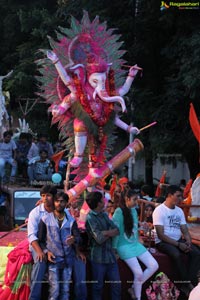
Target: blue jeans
(79,276)
(11,162)
(37,276)
(59,281)
(110,272)
(30,173)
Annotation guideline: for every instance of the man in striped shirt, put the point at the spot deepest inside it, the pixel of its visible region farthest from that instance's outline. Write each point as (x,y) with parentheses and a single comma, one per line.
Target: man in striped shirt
(100,231)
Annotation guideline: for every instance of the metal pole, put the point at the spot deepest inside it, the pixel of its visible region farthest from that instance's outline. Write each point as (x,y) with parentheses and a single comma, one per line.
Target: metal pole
(130,161)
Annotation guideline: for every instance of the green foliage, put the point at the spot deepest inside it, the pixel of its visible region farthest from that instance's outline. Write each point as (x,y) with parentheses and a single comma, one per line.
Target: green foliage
(167,47)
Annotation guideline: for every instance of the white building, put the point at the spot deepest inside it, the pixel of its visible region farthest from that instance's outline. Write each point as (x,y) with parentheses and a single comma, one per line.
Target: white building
(174,165)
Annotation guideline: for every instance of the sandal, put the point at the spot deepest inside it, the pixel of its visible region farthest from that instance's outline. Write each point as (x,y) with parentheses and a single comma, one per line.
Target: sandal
(132,293)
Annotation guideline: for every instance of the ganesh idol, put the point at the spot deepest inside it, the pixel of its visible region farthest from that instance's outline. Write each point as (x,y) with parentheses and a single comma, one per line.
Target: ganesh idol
(89,87)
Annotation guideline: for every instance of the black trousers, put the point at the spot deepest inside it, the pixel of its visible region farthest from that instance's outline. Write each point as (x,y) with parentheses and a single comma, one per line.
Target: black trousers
(186,273)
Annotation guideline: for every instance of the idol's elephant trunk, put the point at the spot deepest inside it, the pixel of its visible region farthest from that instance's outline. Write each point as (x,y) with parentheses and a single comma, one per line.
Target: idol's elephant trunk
(105,97)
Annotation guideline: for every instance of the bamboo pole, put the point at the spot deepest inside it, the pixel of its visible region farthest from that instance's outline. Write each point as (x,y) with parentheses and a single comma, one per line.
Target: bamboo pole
(95,174)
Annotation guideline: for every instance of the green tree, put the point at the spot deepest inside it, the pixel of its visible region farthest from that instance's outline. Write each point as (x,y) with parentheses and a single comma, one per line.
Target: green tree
(145,52)
(24,27)
(180,73)
(167,47)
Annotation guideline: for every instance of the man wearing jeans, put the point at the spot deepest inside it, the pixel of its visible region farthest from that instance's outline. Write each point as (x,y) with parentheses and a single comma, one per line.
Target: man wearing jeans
(47,193)
(58,237)
(7,155)
(173,237)
(100,230)
(79,265)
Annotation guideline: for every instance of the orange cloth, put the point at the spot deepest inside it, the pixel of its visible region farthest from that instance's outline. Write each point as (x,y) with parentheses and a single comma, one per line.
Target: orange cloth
(113,186)
(56,158)
(194,122)
(121,181)
(162,180)
(187,188)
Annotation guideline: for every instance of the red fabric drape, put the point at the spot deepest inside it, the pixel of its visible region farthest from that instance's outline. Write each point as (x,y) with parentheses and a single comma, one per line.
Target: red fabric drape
(16,284)
(18,256)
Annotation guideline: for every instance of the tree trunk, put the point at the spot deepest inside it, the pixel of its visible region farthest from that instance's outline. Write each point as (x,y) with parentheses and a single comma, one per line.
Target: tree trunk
(148,167)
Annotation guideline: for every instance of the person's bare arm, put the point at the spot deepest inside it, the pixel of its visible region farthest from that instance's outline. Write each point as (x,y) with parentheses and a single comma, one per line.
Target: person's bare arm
(154,204)
(163,237)
(39,202)
(186,234)
(40,254)
(160,232)
(51,257)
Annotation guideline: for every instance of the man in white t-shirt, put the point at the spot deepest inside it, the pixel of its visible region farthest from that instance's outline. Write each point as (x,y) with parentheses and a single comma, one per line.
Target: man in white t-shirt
(7,155)
(173,238)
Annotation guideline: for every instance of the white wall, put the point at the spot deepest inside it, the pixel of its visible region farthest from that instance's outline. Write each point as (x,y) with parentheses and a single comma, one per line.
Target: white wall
(174,175)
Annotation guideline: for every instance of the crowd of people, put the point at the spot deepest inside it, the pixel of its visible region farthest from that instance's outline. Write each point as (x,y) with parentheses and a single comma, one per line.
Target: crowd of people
(29,157)
(60,247)
(116,215)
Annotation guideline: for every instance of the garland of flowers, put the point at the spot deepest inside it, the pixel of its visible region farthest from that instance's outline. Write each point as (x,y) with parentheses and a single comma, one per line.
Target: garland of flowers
(100,157)
(108,110)
(108,107)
